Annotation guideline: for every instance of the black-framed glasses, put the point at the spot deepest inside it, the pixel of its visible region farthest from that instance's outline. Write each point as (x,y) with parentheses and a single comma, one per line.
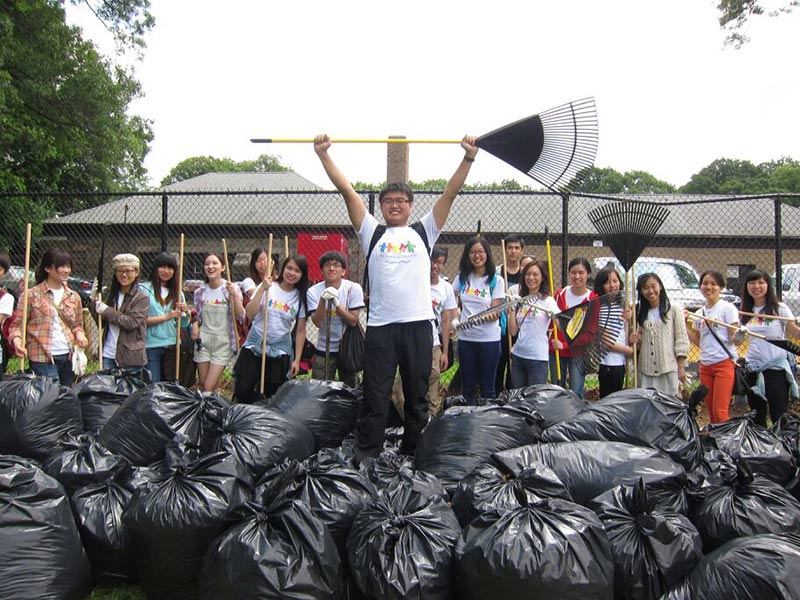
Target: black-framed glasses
(397,201)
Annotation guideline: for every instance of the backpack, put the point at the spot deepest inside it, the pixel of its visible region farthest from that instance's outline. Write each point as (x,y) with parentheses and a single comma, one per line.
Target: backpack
(492,284)
(376,235)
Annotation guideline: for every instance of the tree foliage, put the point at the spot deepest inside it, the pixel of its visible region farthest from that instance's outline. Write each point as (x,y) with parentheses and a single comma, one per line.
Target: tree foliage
(127,20)
(200,165)
(731,176)
(596,180)
(734,14)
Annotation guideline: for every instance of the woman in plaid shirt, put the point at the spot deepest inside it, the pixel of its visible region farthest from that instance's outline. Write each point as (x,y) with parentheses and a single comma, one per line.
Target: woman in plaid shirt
(55,324)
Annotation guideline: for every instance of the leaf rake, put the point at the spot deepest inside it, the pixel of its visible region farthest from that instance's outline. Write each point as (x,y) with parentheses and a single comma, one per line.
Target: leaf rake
(628,226)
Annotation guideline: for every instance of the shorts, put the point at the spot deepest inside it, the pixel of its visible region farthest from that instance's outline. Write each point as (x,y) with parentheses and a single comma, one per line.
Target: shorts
(216,350)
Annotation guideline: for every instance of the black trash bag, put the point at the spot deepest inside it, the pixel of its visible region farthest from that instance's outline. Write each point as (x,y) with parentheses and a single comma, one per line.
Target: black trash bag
(174,519)
(451,401)
(462,438)
(552,402)
(401,546)
(763,450)
(41,555)
(547,549)
(151,417)
(758,567)
(259,437)
(98,509)
(390,469)
(333,492)
(328,408)
(643,417)
(652,550)
(34,413)
(280,551)
(103,392)
(83,461)
(788,429)
(494,487)
(588,469)
(746,504)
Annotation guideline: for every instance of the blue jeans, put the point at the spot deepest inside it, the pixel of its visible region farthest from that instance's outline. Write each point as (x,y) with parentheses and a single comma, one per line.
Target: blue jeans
(573,371)
(109,363)
(60,368)
(525,372)
(478,365)
(154,358)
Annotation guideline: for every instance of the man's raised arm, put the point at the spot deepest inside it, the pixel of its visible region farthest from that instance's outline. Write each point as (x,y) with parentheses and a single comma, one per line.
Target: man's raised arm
(355,207)
(441,208)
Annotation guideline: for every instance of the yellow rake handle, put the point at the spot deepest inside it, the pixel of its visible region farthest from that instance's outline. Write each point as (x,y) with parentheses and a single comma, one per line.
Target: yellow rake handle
(352,141)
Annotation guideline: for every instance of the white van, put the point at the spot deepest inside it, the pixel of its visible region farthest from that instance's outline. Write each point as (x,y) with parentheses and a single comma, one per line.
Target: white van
(790,286)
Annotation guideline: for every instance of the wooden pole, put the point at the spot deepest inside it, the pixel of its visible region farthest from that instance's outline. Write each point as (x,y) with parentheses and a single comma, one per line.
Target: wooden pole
(552,292)
(285,247)
(633,325)
(508,330)
(178,328)
(25,294)
(775,317)
(266,318)
(328,304)
(230,278)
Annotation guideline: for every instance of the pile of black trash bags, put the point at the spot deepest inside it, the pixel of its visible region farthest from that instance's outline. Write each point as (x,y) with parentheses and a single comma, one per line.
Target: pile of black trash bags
(536,494)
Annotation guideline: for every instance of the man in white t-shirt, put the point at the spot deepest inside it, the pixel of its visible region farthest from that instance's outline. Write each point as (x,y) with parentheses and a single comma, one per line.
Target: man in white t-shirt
(399,332)
(346,299)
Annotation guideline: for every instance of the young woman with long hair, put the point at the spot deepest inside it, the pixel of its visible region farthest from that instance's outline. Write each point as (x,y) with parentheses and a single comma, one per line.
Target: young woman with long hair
(768,367)
(573,368)
(478,287)
(55,322)
(125,313)
(167,306)
(285,299)
(531,325)
(615,350)
(716,349)
(214,326)
(661,335)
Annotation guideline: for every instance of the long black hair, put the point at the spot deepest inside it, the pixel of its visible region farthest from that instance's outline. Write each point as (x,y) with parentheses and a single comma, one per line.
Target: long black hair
(173,293)
(644,306)
(544,287)
(254,274)
(52,258)
(302,285)
(465,267)
(771,307)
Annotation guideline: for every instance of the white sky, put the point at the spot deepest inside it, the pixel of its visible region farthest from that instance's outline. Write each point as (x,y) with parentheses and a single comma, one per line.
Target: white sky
(670,97)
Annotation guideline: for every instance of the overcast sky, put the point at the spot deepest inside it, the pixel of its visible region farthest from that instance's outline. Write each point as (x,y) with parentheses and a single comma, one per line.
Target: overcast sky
(670,96)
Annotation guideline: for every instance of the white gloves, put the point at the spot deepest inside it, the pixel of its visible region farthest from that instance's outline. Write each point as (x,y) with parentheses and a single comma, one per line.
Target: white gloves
(95,292)
(332,294)
(797,321)
(742,330)
(100,307)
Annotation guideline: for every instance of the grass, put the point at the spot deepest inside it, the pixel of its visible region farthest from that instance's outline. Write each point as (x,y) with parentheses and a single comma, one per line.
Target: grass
(118,593)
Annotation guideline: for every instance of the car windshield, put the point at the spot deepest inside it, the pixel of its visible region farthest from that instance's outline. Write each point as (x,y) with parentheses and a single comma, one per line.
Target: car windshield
(674,276)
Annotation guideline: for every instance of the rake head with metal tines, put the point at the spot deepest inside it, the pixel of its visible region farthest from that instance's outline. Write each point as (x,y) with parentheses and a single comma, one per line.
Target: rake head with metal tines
(479,318)
(628,227)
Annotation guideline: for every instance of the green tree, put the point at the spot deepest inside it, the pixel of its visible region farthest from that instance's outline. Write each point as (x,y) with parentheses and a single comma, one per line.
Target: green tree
(200,165)
(127,20)
(731,176)
(734,14)
(596,180)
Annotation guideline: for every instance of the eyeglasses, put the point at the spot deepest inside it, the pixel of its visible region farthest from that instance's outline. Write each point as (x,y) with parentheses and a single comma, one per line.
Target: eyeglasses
(127,272)
(397,201)
(477,252)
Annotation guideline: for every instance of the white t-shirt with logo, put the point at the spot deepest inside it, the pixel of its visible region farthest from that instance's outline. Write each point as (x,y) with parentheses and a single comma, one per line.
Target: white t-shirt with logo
(284,310)
(476,296)
(351,296)
(442,298)
(534,324)
(761,351)
(399,272)
(711,351)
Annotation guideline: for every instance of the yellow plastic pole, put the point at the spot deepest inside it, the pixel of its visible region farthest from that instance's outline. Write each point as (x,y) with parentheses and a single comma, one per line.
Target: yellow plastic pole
(230,278)
(552,291)
(266,319)
(352,141)
(178,329)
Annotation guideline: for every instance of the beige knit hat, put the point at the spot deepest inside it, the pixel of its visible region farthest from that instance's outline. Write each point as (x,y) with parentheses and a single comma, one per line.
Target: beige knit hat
(125,260)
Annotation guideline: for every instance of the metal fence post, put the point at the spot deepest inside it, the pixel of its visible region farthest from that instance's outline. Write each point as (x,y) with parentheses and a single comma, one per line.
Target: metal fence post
(164,221)
(564,236)
(372,203)
(778,246)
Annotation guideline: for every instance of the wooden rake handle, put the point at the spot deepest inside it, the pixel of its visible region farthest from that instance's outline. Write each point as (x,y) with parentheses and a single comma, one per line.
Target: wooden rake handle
(728,325)
(773,317)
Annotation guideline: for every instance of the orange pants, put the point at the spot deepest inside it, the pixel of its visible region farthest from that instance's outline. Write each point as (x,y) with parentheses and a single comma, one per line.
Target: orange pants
(718,378)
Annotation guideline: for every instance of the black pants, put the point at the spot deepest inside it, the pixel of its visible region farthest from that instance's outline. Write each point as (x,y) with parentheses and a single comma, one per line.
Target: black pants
(408,346)
(247,376)
(611,379)
(502,379)
(776,388)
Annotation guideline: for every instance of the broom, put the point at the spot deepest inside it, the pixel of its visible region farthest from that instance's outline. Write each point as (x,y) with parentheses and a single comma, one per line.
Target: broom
(550,147)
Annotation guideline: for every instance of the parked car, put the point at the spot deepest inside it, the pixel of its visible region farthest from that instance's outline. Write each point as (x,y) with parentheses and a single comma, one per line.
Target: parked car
(12,279)
(790,286)
(681,280)
(83,287)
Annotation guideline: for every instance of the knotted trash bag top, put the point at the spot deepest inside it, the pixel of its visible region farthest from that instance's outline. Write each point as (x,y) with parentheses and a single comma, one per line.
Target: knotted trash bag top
(102,393)
(643,417)
(744,504)
(41,555)
(758,567)
(390,468)
(460,400)
(334,493)
(259,437)
(462,438)
(328,408)
(495,487)
(82,461)
(652,550)
(763,450)
(279,551)
(552,402)
(547,549)
(98,509)
(34,413)
(588,469)
(401,546)
(151,417)
(173,519)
